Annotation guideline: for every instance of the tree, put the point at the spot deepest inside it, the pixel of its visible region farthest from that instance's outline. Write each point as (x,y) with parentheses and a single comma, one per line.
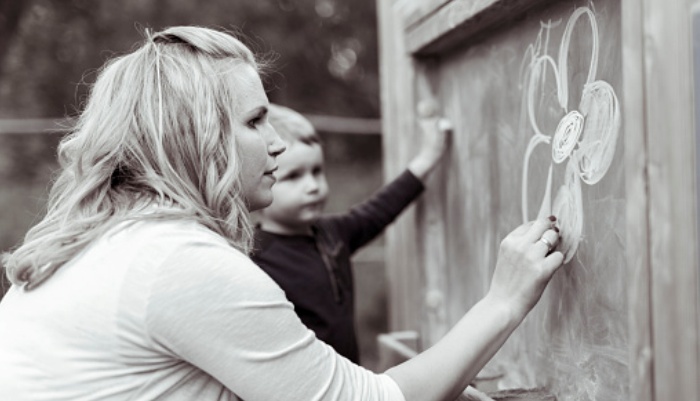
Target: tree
(325,62)
(10,15)
(326,49)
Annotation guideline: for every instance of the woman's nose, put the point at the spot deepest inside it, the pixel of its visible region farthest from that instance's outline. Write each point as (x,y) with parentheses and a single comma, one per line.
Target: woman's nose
(276,145)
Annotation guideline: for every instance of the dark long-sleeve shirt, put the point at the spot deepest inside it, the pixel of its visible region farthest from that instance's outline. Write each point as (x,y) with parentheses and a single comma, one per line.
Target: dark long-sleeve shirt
(315,271)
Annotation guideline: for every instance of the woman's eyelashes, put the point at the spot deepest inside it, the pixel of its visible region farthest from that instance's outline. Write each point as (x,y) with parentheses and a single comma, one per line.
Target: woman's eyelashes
(259,118)
(254,122)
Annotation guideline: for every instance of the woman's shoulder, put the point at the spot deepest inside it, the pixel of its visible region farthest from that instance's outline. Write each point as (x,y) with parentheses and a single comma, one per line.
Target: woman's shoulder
(176,242)
(176,232)
(184,251)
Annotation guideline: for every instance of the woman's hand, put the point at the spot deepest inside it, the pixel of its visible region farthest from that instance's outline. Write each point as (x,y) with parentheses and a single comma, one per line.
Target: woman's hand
(526,262)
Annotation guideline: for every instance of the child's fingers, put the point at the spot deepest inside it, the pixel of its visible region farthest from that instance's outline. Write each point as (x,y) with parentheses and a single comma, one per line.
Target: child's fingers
(445,126)
(428,109)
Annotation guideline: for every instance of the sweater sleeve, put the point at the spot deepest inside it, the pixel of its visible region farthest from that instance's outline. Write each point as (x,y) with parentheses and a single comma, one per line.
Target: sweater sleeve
(213,307)
(365,221)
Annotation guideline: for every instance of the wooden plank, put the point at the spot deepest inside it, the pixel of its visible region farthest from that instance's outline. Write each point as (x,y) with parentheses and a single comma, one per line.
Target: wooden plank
(637,218)
(523,395)
(35,125)
(673,214)
(422,10)
(398,123)
(431,215)
(461,22)
(322,123)
(345,125)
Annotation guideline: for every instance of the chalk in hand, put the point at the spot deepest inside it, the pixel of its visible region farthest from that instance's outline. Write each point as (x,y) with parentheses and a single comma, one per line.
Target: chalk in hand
(428,109)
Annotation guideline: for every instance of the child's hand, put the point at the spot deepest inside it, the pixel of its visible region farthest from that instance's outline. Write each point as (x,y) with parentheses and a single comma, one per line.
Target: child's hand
(435,138)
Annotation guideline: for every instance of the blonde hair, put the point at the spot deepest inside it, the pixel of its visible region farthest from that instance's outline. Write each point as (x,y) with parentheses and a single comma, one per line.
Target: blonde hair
(156,129)
(291,125)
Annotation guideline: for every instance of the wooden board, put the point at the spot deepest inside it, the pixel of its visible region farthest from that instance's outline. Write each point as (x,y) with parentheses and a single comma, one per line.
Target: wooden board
(583,109)
(509,97)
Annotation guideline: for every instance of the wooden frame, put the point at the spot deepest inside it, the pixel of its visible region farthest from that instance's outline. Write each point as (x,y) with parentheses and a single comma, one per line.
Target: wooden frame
(668,123)
(660,164)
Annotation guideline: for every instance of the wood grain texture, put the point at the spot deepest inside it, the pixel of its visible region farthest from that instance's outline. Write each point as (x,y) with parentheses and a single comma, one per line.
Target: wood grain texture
(398,129)
(672,202)
(462,21)
(622,319)
(421,10)
(638,250)
(575,342)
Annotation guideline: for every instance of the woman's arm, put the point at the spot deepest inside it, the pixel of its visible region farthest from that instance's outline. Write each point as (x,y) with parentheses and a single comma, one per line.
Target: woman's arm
(211,306)
(522,272)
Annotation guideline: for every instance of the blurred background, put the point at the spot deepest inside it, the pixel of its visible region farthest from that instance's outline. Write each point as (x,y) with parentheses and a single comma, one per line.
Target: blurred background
(324,64)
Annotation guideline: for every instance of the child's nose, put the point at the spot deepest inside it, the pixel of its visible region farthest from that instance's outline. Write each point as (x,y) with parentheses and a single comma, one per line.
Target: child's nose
(312,184)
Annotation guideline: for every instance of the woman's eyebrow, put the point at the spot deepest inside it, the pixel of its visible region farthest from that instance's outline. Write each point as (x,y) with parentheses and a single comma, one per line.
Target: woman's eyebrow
(260,111)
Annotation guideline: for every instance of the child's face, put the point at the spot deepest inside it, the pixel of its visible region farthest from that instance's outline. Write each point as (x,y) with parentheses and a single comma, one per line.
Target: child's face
(300,192)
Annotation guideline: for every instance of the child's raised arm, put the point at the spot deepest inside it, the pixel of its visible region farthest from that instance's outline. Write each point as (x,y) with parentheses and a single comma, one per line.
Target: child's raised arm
(435,138)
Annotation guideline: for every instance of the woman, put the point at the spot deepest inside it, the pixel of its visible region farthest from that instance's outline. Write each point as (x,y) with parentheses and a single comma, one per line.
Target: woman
(137,284)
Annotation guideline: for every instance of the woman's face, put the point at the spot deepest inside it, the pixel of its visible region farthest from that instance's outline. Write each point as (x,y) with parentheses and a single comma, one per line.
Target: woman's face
(257,142)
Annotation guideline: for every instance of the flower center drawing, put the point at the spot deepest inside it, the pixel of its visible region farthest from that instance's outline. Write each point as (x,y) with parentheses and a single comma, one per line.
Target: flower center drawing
(566,136)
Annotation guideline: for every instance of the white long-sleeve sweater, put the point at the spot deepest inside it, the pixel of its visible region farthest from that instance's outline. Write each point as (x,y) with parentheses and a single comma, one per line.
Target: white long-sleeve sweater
(167,310)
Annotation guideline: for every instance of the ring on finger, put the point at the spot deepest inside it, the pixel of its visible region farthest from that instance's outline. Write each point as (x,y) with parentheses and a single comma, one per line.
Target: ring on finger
(546,242)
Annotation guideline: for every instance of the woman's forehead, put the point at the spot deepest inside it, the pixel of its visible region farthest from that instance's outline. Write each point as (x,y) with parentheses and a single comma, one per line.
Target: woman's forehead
(248,90)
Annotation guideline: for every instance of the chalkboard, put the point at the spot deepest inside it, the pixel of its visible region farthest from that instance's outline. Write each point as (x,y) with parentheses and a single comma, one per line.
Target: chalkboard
(536,106)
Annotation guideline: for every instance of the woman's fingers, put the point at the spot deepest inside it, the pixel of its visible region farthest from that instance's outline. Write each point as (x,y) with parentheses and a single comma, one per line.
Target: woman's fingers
(548,241)
(539,227)
(526,262)
(553,262)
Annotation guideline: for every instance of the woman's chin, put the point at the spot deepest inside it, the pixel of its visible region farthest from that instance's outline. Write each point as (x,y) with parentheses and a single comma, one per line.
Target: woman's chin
(259,203)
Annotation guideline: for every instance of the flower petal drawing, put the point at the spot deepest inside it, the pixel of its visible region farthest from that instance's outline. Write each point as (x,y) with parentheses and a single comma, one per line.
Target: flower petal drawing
(568,207)
(564,52)
(587,136)
(599,139)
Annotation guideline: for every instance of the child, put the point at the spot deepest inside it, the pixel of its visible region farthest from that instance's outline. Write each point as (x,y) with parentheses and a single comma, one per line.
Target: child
(308,254)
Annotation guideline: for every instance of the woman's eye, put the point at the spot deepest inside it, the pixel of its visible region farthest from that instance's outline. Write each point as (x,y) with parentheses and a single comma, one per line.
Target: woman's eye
(254,122)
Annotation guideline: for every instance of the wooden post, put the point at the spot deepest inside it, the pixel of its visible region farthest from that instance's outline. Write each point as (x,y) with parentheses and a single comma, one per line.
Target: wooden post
(636,158)
(673,237)
(398,124)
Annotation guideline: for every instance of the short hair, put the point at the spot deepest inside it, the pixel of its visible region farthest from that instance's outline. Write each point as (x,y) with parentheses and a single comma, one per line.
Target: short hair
(156,129)
(291,125)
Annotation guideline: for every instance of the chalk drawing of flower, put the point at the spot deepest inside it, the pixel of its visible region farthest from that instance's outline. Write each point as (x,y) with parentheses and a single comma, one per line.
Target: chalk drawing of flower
(586,136)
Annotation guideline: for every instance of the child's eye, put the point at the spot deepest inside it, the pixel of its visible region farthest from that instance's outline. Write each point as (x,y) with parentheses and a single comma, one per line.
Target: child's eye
(291,176)
(317,170)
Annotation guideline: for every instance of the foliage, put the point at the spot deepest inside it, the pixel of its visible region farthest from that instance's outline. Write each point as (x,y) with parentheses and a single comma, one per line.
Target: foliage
(326,49)
(325,62)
